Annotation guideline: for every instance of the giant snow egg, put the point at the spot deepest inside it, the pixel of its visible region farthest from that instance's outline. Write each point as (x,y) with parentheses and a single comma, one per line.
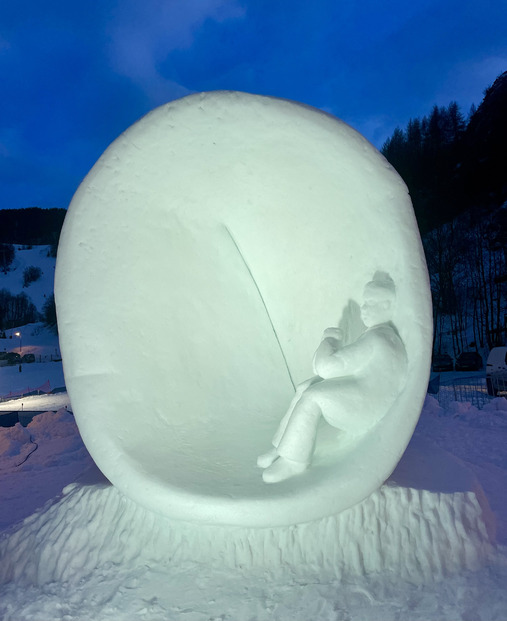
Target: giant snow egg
(200,261)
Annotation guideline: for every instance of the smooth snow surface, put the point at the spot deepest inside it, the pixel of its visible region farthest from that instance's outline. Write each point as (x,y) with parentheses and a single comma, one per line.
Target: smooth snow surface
(256,222)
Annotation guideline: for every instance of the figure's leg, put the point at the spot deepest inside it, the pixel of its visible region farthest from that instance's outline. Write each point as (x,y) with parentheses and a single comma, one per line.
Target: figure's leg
(297,443)
(300,390)
(266,459)
(341,403)
(298,440)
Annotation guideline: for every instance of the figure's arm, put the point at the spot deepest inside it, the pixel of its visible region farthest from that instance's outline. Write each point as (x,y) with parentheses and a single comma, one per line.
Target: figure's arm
(330,344)
(347,360)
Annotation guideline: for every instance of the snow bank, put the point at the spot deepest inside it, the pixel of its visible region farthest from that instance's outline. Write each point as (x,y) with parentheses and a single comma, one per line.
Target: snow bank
(15,446)
(18,442)
(37,462)
(52,425)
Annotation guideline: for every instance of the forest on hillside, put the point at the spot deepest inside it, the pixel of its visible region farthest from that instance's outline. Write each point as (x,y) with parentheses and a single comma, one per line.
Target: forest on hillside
(31,226)
(456,172)
(452,164)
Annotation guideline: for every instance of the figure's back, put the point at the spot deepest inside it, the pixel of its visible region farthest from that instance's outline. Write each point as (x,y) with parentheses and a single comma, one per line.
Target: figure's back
(385,373)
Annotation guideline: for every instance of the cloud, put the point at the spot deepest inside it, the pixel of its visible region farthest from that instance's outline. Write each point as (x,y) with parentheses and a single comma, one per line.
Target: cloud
(445,52)
(328,54)
(467,81)
(75,75)
(140,40)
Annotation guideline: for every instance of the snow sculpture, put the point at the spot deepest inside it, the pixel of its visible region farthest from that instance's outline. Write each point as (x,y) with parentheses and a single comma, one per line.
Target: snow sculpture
(199,261)
(353,388)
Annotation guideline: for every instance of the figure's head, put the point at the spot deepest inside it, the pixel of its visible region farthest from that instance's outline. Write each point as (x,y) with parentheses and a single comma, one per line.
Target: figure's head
(378,300)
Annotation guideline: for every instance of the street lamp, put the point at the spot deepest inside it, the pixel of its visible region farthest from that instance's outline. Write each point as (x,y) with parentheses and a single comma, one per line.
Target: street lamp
(19,334)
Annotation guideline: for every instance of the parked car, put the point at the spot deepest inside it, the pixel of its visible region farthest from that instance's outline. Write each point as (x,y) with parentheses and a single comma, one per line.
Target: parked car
(496,371)
(28,358)
(13,358)
(469,361)
(442,362)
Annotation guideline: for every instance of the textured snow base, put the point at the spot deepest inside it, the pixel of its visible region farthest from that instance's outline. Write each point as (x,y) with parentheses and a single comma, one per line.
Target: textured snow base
(417,535)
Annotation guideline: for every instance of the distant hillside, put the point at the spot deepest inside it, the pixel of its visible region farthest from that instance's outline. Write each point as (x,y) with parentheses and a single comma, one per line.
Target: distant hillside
(21,300)
(484,170)
(39,290)
(31,226)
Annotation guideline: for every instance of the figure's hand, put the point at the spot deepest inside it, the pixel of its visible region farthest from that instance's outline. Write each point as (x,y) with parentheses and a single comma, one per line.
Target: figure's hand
(326,363)
(333,333)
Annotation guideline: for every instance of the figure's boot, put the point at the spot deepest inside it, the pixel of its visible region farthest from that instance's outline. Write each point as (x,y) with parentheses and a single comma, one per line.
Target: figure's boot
(265,460)
(282,469)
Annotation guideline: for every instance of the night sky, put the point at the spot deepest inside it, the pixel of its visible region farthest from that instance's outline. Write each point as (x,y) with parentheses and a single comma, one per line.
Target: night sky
(74,74)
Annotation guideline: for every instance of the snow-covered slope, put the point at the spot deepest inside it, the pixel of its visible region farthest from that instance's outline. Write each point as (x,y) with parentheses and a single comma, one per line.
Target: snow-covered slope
(34,338)
(38,291)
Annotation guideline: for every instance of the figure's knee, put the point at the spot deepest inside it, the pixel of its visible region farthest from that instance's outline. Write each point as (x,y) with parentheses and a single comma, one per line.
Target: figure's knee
(308,403)
(313,392)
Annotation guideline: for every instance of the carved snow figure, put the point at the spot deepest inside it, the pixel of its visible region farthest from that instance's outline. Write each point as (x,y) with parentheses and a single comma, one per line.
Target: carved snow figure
(353,388)
(196,269)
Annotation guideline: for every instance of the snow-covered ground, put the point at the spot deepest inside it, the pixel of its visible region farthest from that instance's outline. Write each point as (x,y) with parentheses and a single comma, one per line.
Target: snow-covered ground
(35,339)
(43,343)
(37,462)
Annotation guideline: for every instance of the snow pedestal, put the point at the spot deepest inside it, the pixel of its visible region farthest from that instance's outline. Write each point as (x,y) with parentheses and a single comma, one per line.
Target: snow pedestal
(429,520)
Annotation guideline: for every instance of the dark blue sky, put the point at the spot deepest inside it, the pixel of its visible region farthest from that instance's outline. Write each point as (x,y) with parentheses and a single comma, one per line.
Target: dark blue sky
(74,74)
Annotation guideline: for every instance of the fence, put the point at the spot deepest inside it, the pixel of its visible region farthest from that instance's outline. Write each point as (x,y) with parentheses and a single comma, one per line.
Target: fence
(497,384)
(25,392)
(472,389)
